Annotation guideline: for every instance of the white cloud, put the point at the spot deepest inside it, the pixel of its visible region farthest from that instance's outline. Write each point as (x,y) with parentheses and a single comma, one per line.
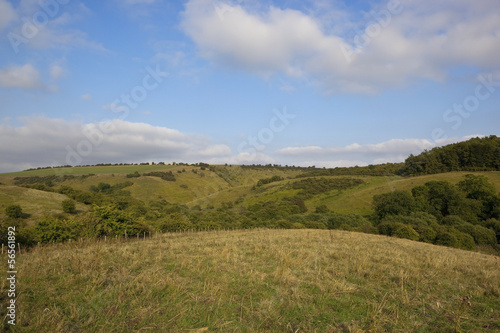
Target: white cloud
(244,158)
(424,41)
(24,77)
(43,141)
(114,107)
(86,97)
(7,14)
(56,72)
(391,151)
(332,164)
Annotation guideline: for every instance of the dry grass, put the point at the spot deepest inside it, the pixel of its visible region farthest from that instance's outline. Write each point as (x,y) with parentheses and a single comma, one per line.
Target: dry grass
(257,281)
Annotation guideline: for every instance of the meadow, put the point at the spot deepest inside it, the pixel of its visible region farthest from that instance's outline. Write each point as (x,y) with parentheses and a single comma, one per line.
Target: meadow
(256,281)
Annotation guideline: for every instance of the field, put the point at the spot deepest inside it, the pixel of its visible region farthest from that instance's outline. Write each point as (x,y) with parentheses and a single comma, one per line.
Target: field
(256,281)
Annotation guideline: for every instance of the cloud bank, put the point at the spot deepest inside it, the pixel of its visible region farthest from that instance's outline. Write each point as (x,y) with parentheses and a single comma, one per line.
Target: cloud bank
(41,141)
(396,42)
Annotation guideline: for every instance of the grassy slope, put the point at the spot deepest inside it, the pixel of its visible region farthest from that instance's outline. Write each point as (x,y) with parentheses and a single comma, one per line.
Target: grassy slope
(257,281)
(233,183)
(33,202)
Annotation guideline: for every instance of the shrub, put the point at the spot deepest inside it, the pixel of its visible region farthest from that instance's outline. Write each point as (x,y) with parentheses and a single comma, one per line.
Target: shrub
(68,206)
(369,229)
(314,225)
(133,175)
(453,220)
(465,241)
(447,239)
(14,211)
(322,209)
(425,234)
(284,224)
(352,220)
(51,229)
(494,225)
(480,234)
(393,203)
(386,228)
(405,231)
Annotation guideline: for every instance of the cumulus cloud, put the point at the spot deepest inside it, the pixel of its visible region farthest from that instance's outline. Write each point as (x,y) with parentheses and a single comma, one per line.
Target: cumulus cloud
(44,141)
(419,40)
(25,77)
(391,151)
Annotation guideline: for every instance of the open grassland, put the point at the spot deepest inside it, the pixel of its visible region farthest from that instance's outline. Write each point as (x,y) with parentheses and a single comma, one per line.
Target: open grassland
(256,281)
(35,203)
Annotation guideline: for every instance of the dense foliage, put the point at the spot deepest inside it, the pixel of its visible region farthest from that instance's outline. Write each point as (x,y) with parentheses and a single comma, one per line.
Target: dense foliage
(477,154)
(462,215)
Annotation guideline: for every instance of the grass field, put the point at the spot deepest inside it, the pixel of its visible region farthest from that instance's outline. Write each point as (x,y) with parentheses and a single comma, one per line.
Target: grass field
(257,281)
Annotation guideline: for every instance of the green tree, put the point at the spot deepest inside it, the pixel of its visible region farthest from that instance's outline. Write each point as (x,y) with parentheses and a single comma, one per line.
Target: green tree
(477,187)
(14,211)
(68,206)
(393,203)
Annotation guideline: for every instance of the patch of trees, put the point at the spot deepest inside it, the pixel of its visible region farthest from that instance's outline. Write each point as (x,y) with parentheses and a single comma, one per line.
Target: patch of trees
(387,169)
(47,180)
(272,179)
(168,175)
(477,154)
(463,215)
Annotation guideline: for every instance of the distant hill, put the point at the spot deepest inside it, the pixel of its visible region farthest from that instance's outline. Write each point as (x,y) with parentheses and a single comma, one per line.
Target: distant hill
(477,154)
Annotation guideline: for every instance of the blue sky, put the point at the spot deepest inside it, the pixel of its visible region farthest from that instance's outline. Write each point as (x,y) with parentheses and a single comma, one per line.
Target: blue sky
(325,83)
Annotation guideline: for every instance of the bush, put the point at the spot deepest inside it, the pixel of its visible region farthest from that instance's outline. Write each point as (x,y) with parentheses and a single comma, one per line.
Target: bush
(68,206)
(133,175)
(465,241)
(284,224)
(494,225)
(447,239)
(369,229)
(393,203)
(314,225)
(51,229)
(481,235)
(405,231)
(425,234)
(352,220)
(14,211)
(388,228)
(453,220)
(175,222)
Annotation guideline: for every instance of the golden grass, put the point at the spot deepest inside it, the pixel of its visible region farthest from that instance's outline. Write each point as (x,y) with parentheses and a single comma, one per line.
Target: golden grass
(257,281)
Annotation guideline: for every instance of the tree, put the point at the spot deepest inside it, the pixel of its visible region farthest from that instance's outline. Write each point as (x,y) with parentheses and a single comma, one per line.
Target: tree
(477,187)
(14,211)
(68,206)
(393,203)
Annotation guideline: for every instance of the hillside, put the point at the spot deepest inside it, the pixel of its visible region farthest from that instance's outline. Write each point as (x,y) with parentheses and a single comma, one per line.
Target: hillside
(228,184)
(138,199)
(257,281)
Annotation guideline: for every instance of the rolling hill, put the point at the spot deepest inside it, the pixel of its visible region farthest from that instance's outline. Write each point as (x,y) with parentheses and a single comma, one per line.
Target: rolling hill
(256,281)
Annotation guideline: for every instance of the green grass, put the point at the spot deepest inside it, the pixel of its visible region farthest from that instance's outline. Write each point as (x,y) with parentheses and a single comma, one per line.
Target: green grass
(256,281)
(34,203)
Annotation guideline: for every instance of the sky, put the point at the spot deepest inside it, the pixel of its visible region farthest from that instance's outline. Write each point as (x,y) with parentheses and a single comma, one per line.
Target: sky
(323,83)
